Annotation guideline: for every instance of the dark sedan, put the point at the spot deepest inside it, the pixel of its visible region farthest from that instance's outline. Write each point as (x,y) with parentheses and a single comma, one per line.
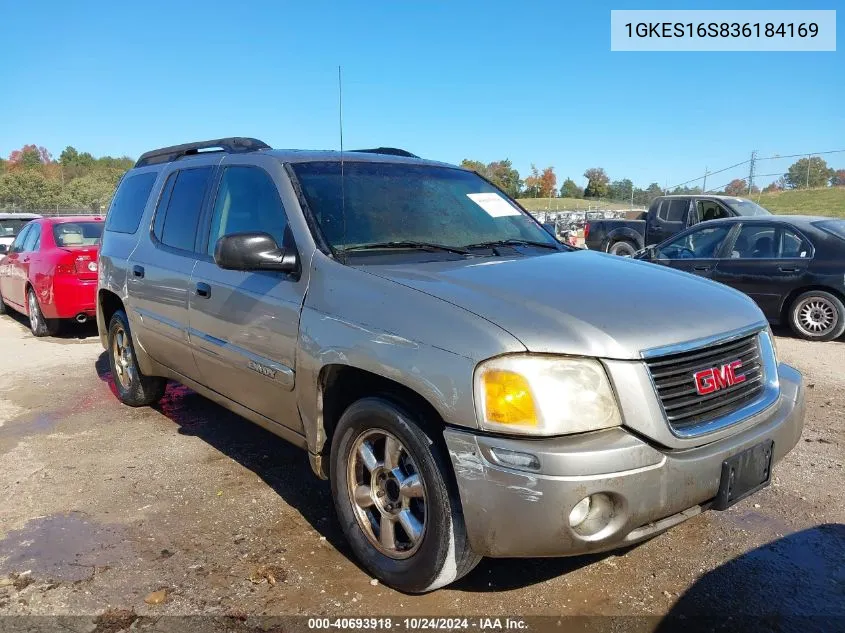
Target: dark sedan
(792,266)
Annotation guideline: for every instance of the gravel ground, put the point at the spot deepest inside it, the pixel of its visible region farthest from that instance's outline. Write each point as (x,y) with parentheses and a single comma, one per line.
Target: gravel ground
(189,509)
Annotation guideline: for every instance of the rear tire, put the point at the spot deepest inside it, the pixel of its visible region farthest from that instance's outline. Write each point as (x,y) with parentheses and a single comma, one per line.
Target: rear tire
(623,248)
(133,387)
(39,325)
(411,537)
(817,315)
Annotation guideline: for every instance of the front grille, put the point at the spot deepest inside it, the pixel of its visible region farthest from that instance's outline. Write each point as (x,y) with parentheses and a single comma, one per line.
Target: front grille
(673,377)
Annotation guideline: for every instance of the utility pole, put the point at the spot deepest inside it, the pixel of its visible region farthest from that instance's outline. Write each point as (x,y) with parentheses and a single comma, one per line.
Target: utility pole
(704,188)
(751,171)
(808,170)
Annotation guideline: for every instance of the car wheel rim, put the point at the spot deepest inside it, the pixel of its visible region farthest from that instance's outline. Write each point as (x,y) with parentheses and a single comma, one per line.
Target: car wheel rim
(124,363)
(816,316)
(387,493)
(33,311)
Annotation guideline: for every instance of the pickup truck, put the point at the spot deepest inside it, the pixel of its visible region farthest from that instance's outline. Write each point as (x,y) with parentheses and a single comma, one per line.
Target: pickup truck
(666,216)
(392,316)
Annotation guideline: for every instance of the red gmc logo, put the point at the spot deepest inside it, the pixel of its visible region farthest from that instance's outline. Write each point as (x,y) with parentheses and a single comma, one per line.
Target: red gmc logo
(715,378)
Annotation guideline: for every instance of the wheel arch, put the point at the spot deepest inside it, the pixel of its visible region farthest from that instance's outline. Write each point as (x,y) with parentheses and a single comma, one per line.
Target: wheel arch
(623,234)
(108,303)
(786,305)
(339,385)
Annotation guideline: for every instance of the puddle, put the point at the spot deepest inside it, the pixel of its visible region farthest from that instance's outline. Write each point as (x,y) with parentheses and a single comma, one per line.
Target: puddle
(26,425)
(63,547)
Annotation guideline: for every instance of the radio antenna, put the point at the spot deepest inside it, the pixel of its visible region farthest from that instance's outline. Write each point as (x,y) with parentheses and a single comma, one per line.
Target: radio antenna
(342,181)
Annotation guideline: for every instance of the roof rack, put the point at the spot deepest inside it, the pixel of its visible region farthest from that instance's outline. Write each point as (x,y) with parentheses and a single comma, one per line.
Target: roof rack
(231,145)
(390,151)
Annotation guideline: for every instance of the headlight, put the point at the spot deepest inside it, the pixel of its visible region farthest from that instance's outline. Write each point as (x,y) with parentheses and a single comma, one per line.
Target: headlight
(544,395)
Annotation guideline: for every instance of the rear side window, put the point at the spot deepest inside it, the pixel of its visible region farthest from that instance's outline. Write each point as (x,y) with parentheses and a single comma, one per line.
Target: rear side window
(178,214)
(834,227)
(673,210)
(128,205)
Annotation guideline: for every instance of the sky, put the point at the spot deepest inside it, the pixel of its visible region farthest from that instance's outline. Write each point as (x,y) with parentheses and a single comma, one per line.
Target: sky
(532,82)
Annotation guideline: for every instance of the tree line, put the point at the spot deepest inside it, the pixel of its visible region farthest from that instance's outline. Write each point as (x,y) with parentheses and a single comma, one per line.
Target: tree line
(31,179)
(804,173)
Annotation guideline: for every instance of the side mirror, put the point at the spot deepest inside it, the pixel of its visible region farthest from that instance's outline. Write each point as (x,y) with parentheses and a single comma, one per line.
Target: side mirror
(4,249)
(253,251)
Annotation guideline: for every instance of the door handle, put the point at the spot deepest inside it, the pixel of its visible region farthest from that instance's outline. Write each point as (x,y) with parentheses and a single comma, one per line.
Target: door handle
(703,269)
(203,290)
(786,269)
(138,271)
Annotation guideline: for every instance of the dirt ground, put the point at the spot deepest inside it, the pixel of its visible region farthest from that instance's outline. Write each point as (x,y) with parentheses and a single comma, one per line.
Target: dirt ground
(196,510)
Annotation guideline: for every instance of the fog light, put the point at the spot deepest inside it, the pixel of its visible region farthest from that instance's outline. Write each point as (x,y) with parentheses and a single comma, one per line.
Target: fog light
(579,512)
(515,459)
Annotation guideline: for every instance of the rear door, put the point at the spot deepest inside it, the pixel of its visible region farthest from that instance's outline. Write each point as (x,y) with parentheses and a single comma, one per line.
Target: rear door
(11,286)
(695,251)
(160,269)
(245,325)
(766,261)
(669,218)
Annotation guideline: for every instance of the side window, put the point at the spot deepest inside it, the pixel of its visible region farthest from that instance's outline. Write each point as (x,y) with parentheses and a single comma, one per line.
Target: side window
(247,201)
(33,238)
(710,210)
(756,241)
(792,245)
(129,201)
(674,210)
(701,244)
(177,227)
(17,245)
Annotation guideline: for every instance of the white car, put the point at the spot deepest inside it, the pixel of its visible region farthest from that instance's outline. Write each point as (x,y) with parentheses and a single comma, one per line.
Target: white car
(10,225)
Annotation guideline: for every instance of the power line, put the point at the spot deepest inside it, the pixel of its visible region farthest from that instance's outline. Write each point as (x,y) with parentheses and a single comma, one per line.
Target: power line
(708,173)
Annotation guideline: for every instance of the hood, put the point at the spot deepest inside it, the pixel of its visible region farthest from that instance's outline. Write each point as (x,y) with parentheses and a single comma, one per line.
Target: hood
(583,303)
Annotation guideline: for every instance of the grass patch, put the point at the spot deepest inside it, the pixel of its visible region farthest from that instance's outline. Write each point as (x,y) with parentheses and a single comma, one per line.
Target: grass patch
(829,201)
(569,204)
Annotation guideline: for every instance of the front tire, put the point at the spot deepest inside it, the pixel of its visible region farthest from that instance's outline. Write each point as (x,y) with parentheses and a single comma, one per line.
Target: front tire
(134,388)
(817,315)
(622,248)
(37,323)
(394,498)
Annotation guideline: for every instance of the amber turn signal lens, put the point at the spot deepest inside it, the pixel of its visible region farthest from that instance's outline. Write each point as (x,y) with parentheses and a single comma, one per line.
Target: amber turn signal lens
(508,398)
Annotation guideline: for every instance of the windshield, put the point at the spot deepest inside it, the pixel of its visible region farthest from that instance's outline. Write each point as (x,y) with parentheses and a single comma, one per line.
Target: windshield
(746,207)
(11,227)
(77,233)
(381,203)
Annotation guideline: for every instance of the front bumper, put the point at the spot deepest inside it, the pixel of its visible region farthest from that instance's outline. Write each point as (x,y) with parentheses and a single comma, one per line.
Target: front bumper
(511,512)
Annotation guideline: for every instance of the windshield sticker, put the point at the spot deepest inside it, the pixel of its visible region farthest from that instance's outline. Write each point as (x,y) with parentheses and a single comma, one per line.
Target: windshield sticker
(494,204)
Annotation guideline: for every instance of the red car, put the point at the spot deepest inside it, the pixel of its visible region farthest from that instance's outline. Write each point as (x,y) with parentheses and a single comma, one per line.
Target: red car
(50,272)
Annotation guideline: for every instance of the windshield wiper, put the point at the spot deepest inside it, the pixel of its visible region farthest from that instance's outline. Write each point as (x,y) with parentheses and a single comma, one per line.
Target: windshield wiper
(422,246)
(512,242)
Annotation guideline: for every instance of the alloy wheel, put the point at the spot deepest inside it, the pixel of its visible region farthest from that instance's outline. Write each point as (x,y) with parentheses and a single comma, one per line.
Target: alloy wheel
(816,316)
(124,363)
(387,493)
(34,312)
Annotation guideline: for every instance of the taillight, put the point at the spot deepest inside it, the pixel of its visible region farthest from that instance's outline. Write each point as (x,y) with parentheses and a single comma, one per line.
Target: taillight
(76,265)
(586,230)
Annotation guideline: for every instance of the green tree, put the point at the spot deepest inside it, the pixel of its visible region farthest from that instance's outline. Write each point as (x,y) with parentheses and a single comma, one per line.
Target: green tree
(475,165)
(30,156)
(620,189)
(838,179)
(652,191)
(570,189)
(597,183)
(30,189)
(808,172)
(504,176)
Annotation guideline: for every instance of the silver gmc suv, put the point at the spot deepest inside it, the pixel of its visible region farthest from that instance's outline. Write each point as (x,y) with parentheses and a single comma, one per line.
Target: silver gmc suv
(470,386)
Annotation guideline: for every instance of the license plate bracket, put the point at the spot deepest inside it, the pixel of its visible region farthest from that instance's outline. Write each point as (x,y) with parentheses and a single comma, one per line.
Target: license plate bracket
(744,474)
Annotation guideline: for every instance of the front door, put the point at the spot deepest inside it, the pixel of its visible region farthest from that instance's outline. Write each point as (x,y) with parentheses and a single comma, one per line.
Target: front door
(160,270)
(669,218)
(11,282)
(695,251)
(765,261)
(245,325)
